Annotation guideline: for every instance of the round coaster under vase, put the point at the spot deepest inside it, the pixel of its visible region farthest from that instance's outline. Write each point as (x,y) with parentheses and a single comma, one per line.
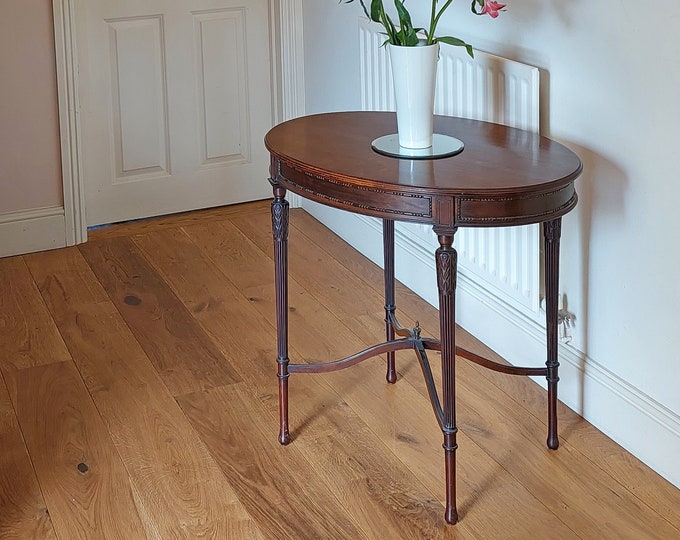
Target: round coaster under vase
(442,146)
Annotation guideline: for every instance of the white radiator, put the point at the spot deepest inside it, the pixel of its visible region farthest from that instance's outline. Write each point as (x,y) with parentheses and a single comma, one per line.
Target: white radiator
(504,261)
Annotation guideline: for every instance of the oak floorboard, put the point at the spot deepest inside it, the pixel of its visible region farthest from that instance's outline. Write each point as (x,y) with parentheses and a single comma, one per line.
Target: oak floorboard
(379,404)
(569,498)
(174,221)
(380,492)
(369,273)
(365,453)
(167,332)
(233,252)
(405,424)
(250,270)
(83,480)
(639,479)
(214,302)
(310,266)
(229,420)
(399,504)
(630,472)
(170,469)
(653,491)
(23,513)
(574,496)
(28,336)
(566,481)
(578,494)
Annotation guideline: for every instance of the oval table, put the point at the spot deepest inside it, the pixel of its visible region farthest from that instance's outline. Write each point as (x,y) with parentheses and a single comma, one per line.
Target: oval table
(503,177)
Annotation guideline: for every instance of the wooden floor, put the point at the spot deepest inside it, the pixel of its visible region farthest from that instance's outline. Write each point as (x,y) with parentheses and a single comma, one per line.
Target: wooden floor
(138,400)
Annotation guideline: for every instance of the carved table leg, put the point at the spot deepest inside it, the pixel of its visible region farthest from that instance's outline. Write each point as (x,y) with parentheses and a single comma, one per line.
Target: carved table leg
(447,259)
(280,217)
(551,233)
(390,307)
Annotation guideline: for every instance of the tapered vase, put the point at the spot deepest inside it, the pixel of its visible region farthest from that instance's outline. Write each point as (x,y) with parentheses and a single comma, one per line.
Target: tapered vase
(414,72)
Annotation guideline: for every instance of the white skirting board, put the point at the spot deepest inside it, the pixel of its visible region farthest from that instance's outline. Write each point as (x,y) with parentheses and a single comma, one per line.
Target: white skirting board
(28,231)
(631,418)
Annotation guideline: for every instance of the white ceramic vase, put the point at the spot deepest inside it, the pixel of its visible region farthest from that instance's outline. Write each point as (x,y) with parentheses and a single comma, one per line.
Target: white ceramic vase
(414,72)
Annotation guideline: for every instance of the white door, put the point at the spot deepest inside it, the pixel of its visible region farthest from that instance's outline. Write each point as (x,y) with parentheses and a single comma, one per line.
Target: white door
(175,100)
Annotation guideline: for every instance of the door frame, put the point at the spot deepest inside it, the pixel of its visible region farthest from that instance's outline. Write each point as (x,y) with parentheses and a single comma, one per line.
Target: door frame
(287,75)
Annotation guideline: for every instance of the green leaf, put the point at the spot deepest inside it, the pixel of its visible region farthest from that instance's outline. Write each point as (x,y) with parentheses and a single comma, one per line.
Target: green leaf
(391,30)
(411,39)
(376,10)
(404,15)
(405,25)
(450,40)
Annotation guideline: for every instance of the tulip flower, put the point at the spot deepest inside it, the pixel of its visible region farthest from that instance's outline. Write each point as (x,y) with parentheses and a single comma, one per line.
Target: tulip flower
(492,8)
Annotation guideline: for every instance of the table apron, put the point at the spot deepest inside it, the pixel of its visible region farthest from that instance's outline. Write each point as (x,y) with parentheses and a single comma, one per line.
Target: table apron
(441,210)
(367,200)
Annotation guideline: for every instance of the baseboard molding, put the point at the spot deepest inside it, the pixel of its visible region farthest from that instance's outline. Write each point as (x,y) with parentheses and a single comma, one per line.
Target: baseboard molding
(28,231)
(616,407)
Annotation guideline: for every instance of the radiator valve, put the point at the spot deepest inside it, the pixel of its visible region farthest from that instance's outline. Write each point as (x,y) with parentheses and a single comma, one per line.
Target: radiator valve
(565,323)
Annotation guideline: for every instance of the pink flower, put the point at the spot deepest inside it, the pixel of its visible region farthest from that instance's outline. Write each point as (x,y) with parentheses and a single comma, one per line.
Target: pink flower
(492,8)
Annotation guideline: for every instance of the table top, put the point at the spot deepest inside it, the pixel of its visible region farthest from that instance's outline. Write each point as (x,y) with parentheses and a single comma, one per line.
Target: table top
(504,176)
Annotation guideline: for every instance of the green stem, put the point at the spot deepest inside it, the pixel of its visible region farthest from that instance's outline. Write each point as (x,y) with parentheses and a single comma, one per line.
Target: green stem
(434,19)
(389,26)
(430,34)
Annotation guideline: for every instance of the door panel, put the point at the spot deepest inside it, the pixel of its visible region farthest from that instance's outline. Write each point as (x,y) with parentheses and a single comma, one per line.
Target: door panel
(140,120)
(223,98)
(175,102)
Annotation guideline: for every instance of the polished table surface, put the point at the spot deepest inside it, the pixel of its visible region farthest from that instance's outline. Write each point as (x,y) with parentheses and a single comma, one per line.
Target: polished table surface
(503,177)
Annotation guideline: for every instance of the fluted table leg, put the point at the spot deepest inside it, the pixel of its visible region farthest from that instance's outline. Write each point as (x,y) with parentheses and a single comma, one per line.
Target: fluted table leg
(390,307)
(447,260)
(280,221)
(551,232)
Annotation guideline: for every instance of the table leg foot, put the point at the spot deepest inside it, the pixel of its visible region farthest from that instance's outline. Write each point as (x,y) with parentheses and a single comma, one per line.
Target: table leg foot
(450,446)
(391,376)
(553,441)
(284,434)
(451,515)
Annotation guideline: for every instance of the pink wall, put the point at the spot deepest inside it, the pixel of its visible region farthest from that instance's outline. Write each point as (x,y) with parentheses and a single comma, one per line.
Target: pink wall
(30,166)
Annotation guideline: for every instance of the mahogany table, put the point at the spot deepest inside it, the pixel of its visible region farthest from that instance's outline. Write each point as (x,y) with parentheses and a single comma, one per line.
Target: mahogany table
(503,177)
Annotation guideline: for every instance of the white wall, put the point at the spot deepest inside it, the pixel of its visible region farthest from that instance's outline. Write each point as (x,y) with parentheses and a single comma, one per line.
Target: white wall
(610,80)
(31,195)
(30,176)
(331,56)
